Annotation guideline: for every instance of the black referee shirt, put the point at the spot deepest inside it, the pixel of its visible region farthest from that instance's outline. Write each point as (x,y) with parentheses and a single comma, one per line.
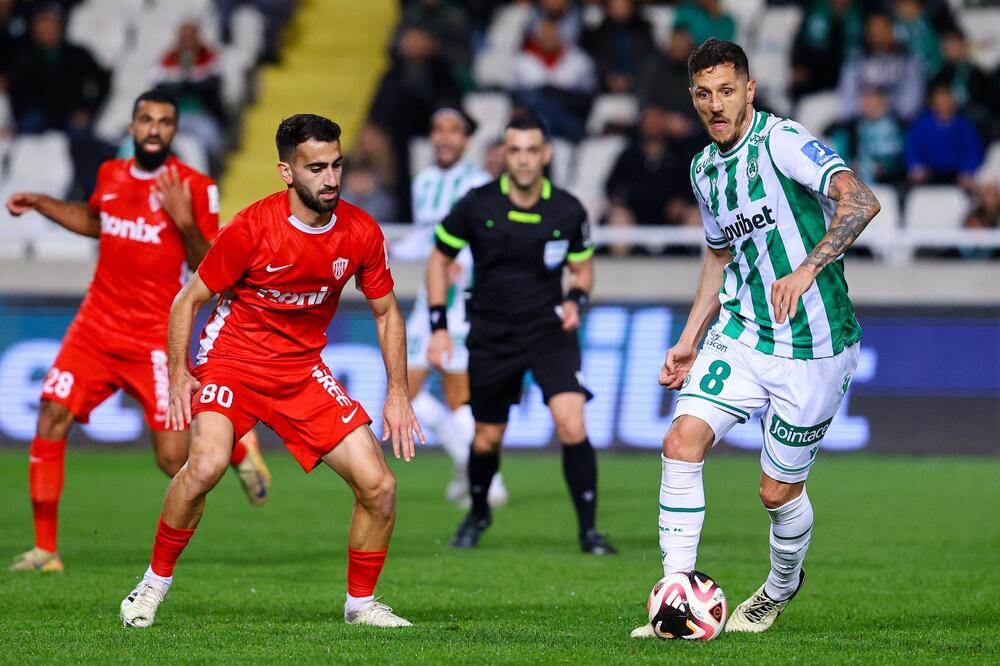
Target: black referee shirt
(518,253)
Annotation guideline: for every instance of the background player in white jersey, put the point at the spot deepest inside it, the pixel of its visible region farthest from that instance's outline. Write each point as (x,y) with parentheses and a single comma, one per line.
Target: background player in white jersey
(435,190)
(786,340)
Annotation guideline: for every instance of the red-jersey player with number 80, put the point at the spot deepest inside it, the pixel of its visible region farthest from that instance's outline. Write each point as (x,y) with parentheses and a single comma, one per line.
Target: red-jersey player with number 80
(282,264)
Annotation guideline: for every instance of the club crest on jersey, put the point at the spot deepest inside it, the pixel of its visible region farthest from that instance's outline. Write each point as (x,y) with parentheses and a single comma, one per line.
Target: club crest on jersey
(752,170)
(154,202)
(340,267)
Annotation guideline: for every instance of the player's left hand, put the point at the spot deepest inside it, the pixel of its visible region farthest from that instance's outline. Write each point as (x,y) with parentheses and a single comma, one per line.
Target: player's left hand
(174,195)
(570,316)
(786,292)
(399,422)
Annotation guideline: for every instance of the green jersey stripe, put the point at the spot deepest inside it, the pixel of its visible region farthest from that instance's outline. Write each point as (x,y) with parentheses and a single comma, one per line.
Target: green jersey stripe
(802,339)
(835,167)
(683,509)
(762,316)
(732,201)
(844,329)
(755,184)
(713,188)
(735,411)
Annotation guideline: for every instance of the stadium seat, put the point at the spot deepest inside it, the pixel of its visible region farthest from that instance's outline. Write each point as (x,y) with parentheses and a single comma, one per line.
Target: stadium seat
(595,157)
(101,30)
(746,13)
(935,207)
(818,111)
(421,154)
(662,19)
(620,109)
(770,54)
(881,232)
(57,244)
(491,110)
(248,25)
(989,171)
(506,32)
(191,152)
(492,68)
(982,28)
(562,161)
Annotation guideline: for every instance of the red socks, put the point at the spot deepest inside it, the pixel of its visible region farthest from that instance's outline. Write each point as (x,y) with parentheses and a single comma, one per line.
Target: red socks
(45,480)
(239,453)
(168,546)
(363,569)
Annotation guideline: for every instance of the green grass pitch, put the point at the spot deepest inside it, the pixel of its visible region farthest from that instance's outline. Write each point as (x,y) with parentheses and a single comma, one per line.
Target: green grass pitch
(904,566)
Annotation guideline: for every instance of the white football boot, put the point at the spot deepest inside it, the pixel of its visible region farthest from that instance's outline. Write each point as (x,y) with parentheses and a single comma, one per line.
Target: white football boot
(37,559)
(375,614)
(759,612)
(645,631)
(497,495)
(138,609)
(254,475)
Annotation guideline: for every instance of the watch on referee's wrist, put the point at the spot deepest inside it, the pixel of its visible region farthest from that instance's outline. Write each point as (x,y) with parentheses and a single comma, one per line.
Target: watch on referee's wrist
(578,296)
(438,317)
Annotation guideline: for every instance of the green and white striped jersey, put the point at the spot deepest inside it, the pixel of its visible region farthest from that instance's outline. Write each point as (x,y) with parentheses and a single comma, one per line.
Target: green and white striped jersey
(765,200)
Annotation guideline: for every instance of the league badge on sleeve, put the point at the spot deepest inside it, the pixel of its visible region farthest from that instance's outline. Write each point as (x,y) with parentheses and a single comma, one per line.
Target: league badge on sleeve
(818,152)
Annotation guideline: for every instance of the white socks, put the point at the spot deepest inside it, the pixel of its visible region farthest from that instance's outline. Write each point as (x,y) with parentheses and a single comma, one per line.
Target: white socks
(791,527)
(354,603)
(429,411)
(455,434)
(149,575)
(682,513)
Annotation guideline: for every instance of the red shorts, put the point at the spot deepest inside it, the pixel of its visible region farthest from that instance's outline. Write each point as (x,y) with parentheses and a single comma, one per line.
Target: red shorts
(90,368)
(309,410)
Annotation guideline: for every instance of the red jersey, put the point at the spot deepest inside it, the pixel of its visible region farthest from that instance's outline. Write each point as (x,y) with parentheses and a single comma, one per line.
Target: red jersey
(142,263)
(286,279)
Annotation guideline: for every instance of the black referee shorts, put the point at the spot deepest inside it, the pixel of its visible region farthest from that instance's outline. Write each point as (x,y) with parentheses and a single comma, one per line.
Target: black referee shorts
(499,357)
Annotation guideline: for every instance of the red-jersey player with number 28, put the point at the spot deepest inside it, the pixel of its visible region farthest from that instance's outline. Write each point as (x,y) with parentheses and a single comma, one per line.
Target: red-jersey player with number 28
(152,215)
(282,264)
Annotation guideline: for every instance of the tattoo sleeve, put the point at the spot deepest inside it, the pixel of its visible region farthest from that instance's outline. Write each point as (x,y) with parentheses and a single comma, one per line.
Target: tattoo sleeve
(856,206)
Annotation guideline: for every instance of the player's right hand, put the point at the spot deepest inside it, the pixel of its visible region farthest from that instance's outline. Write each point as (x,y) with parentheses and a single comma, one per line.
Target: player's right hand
(677,365)
(20,203)
(440,349)
(183,385)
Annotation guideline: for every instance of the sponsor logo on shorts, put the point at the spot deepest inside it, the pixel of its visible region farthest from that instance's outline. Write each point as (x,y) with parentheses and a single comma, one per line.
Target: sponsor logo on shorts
(293,298)
(161,383)
(332,386)
(791,435)
(137,230)
(713,341)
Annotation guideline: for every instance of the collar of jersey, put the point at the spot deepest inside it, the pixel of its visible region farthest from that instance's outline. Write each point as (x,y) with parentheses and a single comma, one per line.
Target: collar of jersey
(746,137)
(305,228)
(146,175)
(505,186)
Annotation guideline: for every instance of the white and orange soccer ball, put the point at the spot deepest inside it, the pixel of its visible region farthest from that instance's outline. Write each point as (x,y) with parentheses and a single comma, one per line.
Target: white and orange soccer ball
(691,606)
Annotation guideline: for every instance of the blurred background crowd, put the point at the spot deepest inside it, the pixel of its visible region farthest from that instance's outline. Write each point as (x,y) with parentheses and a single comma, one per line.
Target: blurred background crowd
(907,90)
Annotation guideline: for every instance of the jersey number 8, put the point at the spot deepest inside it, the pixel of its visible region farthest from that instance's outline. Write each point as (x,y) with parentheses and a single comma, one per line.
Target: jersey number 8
(215,393)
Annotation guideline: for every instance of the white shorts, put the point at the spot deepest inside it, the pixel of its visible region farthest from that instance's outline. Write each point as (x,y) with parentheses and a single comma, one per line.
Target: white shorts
(730,381)
(418,333)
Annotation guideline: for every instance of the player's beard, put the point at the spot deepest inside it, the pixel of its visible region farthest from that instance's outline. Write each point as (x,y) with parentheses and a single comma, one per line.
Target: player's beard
(150,161)
(313,202)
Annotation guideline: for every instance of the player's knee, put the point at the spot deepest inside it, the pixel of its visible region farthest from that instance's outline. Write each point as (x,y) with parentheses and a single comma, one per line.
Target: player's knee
(774,494)
(203,471)
(485,443)
(54,420)
(380,498)
(686,441)
(571,431)
(169,463)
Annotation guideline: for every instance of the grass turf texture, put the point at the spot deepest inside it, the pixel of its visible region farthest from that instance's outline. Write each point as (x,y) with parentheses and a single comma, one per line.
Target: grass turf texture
(902,567)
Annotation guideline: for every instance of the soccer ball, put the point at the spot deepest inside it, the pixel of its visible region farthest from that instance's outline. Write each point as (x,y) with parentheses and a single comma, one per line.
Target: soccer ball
(691,606)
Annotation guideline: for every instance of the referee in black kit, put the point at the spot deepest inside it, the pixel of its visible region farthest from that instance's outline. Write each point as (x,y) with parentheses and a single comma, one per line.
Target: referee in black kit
(522,232)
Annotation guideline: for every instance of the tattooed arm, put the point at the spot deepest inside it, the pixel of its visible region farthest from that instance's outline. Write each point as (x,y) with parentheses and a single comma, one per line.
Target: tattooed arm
(856,206)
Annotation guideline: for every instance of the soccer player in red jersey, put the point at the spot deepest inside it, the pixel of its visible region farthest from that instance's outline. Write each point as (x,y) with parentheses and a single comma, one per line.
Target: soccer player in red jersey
(155,217)
(281,265)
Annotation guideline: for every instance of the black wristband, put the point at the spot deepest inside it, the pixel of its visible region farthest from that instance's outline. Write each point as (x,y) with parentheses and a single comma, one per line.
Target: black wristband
(578,296)
(438,317)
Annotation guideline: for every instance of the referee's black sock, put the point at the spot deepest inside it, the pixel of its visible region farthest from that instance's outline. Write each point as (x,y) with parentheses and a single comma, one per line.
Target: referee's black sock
(482,467)
(580,469)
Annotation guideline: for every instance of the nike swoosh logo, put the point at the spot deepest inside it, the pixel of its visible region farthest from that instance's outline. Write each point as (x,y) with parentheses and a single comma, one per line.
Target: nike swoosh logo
(347,419)
(34,459)
(272,269)
(109,197)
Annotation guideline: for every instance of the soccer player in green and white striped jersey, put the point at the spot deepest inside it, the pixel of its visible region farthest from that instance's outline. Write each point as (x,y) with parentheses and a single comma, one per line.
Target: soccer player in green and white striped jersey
(435,190)
(779,210)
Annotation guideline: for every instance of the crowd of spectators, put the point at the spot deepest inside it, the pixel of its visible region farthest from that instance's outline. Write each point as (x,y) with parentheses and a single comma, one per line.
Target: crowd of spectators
(48,83)
(912,107)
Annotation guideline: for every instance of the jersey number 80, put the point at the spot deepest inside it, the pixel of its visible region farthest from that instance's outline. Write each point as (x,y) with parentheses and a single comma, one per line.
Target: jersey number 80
(215,393)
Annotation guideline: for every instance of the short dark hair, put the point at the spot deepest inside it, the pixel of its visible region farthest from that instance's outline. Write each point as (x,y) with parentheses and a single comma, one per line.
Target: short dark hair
(713,52)
(157,96)
(299,129)
(526,120)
